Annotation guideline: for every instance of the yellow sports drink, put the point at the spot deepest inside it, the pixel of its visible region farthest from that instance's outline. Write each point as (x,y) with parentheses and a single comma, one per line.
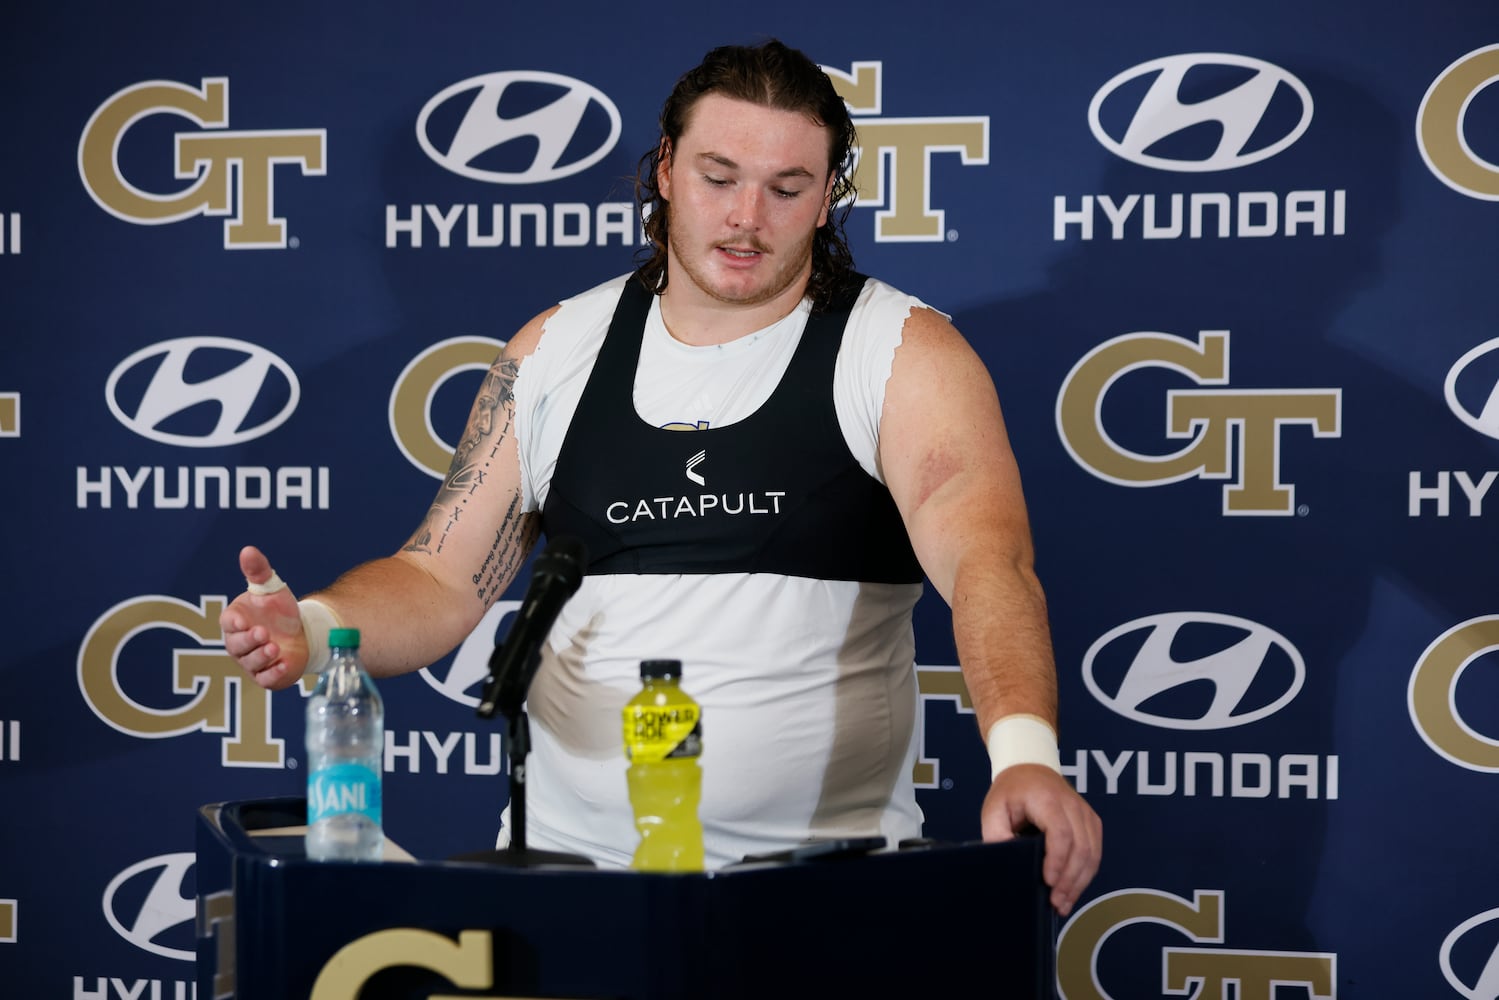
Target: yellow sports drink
(663,738)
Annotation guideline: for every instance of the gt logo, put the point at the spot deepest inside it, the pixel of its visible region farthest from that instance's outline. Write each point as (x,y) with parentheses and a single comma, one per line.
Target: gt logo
(1440,125)
(417,385)
(894,160)
(209,160)
(1205,415)
(204,671)
(467,963)
(1433,694)
(10,414)
(1199,972)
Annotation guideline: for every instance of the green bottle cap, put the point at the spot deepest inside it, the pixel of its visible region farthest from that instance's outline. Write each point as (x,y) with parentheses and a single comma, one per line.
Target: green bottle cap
(345,638)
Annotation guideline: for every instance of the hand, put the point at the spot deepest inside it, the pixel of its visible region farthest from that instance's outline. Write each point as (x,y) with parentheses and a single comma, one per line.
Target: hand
(1031,794)
(264,631)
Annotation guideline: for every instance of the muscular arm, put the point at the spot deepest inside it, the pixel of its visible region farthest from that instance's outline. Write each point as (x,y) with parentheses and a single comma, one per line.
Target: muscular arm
(947,460)
(416,604)
(948,463)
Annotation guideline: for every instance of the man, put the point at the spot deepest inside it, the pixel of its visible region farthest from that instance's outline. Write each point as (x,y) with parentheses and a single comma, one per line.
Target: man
(841,440)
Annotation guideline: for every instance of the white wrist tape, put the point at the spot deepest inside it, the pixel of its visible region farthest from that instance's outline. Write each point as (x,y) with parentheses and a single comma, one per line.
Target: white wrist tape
(271,586)
(1022,739)
(317,619)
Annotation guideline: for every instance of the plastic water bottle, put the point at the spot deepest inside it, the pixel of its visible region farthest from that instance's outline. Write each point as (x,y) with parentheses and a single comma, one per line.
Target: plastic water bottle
(345,749)
(663,739)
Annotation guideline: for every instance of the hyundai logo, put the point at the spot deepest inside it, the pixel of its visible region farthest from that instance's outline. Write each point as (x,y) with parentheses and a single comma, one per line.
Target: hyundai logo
(518,127)
(202,392)
(1472,388)
(1193,670)
(470,667)
(1200,112)
(1474,971)
(153,909)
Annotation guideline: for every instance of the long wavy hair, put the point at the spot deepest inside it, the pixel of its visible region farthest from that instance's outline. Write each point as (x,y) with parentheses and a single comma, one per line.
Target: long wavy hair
(771,75)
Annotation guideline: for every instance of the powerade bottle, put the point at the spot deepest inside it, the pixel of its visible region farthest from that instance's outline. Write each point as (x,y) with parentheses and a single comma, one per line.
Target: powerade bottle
(345,746)
(663,739)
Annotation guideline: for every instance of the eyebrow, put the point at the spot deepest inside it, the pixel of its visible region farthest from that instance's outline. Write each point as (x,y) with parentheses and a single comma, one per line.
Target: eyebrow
(789,172)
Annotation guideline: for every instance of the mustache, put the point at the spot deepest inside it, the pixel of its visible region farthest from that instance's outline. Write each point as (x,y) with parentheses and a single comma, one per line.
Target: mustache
(745,243)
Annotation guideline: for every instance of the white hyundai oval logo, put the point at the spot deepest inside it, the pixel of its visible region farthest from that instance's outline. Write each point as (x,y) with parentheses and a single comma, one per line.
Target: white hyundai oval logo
(1478,371)
(1479,978)
(1240,116)
(163,907)
(470,667)
(550,127)
(1153,671)
(202,392)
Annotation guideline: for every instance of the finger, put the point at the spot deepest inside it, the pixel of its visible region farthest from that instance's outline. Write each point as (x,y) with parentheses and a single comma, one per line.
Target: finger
(254,565)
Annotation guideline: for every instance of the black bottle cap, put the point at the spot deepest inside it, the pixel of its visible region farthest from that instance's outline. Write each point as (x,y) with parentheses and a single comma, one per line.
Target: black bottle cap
(658,669)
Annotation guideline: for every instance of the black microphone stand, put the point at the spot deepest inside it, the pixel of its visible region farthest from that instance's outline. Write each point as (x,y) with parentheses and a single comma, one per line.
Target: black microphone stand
(511,704)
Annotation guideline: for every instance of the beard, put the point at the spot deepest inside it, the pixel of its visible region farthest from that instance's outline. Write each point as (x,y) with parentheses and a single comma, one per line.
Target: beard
(787,268)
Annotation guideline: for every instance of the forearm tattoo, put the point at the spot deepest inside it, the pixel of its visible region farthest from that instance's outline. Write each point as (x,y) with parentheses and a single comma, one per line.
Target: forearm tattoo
(490,424)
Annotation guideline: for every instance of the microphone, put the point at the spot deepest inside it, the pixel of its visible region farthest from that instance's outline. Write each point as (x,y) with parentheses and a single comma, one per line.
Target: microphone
(554,578)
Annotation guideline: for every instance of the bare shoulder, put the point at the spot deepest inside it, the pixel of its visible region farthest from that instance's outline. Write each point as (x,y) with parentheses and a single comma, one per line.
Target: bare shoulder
(527,337)
(934,356)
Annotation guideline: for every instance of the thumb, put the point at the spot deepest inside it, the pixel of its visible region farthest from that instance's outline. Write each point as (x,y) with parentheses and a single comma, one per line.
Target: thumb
(254,564)
(997,823)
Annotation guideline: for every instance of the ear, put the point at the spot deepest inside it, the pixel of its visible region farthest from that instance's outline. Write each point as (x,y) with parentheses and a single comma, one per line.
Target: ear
(663,169)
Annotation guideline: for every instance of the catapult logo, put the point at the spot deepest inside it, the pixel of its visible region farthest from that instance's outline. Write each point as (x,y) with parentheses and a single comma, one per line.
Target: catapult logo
(1133,914)
(1435,701)
(1442,125)
(1470,957)
(154,667)
(148,906)
(893,169)
(1231,432)
(1155,671)
(202,392)
(210,160)
(1200,112)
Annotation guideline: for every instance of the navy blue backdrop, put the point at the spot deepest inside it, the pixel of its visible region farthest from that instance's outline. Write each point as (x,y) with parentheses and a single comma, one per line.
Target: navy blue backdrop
(1233,270)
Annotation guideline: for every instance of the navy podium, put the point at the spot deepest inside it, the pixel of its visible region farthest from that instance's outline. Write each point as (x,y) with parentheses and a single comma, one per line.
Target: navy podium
(272,925)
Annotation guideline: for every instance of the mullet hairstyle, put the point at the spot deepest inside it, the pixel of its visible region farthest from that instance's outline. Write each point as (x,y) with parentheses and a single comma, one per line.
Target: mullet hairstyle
(771,75)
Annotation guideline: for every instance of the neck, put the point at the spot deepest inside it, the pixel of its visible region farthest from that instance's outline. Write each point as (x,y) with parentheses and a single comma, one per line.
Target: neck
(695,318)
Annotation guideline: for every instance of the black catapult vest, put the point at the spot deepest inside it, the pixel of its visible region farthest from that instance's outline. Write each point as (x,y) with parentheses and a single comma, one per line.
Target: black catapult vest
(776,492)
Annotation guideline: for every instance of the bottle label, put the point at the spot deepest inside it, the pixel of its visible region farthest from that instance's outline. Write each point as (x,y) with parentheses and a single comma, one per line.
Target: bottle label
(343,788)
(656,733)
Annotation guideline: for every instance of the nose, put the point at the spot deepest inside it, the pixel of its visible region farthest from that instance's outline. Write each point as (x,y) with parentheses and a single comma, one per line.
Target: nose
(744,213)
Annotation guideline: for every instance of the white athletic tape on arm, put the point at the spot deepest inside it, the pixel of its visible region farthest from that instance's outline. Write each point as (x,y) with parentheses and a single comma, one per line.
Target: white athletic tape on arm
(271,586)
(1022,739)
(317,619)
